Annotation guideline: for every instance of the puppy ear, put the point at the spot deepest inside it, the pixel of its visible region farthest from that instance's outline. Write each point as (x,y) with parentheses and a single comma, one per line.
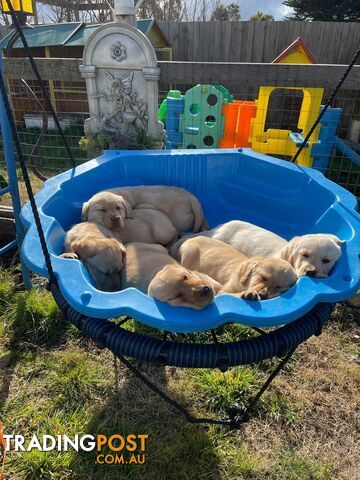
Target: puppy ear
(288,252)
(85,212)
(160,288)
(247,269)
(128,209)
(336,239)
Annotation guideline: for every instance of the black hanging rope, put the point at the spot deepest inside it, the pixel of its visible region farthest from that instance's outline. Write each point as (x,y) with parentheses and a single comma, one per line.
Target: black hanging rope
(326,106)
(25,173)
(40,80)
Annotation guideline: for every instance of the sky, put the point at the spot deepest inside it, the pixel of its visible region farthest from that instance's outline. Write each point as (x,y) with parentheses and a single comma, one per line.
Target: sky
(275,7)
(247,8)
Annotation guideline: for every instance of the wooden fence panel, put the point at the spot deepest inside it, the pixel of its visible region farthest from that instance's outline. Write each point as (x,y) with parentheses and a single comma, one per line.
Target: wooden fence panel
(191,73)
(331,42)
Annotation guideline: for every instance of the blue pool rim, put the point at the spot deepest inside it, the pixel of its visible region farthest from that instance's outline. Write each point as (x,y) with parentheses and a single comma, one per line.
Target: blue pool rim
(89,301)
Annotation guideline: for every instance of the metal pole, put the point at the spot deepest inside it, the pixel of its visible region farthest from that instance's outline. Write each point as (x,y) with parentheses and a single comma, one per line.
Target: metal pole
(13,181)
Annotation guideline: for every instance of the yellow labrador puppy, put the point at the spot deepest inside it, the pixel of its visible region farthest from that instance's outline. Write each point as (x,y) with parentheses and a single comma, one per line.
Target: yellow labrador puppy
(182,207)
(254,278)
(313,255)
(99,251)
(126,224)
(150,268)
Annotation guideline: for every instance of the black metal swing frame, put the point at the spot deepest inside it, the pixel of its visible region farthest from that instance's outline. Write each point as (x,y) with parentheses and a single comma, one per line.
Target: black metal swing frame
(281,343)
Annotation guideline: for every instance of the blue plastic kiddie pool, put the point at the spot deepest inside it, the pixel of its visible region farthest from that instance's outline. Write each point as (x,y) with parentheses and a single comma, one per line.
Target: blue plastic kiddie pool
(231,184)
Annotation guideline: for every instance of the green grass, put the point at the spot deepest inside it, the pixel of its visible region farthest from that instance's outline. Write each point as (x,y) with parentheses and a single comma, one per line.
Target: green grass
(60,383)
(291,466)
(33,317)
(3,178)
(2,330)
(7,285)
(42,466)
(220,391)
(74,378)
(357,354)
(3,350)
(238,463)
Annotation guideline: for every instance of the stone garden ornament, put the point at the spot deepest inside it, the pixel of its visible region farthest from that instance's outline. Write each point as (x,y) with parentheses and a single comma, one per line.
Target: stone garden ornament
(121,73)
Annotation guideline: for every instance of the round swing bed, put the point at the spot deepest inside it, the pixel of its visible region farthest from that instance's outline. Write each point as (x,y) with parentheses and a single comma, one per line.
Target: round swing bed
(278,195)
(275,194)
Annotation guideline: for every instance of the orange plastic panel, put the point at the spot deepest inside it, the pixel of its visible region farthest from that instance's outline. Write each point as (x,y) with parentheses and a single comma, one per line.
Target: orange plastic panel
(238,115)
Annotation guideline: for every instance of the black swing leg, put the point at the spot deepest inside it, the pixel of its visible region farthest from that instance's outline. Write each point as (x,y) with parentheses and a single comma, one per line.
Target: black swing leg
(190,418)
(237,416)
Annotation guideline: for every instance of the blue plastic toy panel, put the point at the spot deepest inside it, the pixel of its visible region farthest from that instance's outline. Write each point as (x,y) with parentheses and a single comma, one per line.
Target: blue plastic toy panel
(231,184)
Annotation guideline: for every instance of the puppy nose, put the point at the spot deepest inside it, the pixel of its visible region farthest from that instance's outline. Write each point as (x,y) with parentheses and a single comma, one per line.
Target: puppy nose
(205,291)
(311,273)
(115,218)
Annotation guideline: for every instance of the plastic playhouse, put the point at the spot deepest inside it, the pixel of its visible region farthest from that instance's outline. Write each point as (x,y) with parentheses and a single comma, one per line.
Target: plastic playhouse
(207,116)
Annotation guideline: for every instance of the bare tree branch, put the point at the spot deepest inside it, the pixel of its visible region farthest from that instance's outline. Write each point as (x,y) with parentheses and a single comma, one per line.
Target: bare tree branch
(200,10)
(93,11)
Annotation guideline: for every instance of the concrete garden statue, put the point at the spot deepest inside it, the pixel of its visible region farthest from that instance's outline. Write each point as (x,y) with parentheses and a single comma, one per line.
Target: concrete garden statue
(121,73)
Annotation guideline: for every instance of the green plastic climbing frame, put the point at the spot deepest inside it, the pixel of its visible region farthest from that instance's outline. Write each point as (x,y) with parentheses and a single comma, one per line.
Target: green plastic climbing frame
(202,122)
(228,98)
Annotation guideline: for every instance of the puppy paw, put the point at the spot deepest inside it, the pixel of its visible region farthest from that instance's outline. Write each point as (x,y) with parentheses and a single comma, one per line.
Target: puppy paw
(250,295)
(70,256)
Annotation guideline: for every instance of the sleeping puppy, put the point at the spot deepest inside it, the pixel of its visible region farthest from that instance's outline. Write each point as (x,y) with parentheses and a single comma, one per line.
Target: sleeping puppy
(127,225)
(106,209)
(313,255)
(183,208)
(151,269)
(254,278)
(99,251)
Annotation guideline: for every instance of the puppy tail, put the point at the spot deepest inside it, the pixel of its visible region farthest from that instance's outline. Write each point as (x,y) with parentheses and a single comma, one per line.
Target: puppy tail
(200,222)
(174,248)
